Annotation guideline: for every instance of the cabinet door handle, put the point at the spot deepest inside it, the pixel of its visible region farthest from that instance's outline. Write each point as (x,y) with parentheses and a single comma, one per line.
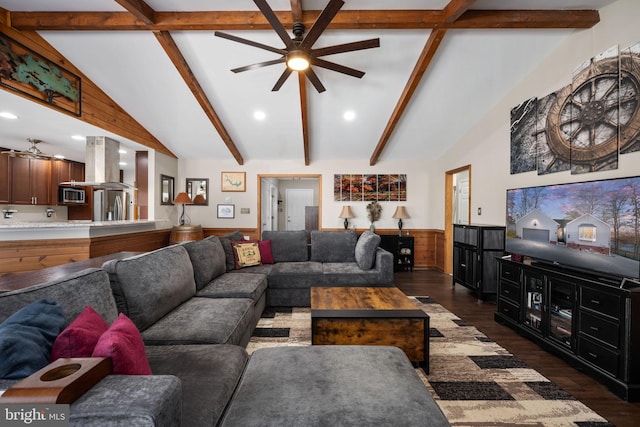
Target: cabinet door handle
(463,265)
(506,291)
(595,356)
(593,328)
(595,301)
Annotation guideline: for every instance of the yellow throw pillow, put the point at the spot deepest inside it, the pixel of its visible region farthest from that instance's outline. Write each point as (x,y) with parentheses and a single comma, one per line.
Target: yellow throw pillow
(246,254)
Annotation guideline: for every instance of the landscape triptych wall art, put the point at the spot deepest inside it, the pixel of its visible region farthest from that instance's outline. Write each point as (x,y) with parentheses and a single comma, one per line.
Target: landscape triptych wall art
(584,126)
(369,188)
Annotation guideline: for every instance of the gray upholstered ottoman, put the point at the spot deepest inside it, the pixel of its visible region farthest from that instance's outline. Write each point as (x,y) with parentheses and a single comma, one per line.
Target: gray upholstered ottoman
(332,386)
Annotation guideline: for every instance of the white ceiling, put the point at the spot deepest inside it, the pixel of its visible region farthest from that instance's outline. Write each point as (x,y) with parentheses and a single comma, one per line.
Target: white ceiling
(471,71)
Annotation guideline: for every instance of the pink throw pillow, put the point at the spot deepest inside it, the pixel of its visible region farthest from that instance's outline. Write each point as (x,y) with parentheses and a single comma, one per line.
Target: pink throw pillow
(266,255)
(123,343)
(81,336)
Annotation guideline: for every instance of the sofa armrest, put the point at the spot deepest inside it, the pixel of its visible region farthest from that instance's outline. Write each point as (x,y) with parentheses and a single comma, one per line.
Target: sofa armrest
(140,400)
(383,264)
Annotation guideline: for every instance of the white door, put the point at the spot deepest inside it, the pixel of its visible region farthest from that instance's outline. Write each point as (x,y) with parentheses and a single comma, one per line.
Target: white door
(269,207)
(297,199)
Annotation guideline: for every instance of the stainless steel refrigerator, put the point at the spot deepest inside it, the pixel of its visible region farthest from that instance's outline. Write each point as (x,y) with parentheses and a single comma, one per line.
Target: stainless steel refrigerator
(109,205)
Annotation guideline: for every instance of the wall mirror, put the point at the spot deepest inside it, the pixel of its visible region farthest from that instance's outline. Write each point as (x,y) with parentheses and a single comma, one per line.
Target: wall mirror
(198,190)
(166,190)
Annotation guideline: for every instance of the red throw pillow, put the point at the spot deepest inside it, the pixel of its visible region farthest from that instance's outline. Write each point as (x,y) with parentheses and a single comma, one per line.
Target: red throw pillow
(123,343)
(81,336)
(266,255)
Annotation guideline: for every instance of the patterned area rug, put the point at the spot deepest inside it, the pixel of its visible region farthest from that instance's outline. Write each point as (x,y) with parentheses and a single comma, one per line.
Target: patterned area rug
(474,380)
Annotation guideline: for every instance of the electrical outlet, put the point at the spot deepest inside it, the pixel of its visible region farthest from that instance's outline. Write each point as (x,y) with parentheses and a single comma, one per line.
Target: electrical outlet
(244,210)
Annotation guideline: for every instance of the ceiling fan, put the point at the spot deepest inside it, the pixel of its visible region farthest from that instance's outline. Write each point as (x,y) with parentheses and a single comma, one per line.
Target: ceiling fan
(298,53)
(32,152)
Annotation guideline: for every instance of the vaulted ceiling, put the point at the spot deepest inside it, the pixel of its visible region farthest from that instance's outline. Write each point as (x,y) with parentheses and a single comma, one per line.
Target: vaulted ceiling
(440,65)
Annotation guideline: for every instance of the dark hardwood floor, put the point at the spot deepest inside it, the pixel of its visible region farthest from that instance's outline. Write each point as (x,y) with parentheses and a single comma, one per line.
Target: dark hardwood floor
(465,305)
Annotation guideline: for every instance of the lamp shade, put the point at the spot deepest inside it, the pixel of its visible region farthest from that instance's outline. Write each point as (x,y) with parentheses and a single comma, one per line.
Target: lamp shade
(199,200)
(183,199)
(400,213)
(346,213)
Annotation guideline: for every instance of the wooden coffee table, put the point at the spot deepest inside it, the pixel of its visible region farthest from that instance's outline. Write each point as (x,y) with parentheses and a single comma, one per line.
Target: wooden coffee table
(370,316)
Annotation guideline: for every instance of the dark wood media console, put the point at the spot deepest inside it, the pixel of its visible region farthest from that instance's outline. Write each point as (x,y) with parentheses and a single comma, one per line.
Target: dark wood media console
(591,322)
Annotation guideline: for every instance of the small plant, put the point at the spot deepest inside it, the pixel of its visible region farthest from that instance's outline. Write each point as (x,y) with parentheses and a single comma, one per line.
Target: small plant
(374,210)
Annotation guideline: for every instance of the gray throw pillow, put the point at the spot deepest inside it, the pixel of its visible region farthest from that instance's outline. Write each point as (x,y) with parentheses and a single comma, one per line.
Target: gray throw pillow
(366,250)
(228,249)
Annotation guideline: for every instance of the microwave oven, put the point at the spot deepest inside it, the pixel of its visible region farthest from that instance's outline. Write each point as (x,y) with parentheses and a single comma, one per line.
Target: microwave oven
(71,195)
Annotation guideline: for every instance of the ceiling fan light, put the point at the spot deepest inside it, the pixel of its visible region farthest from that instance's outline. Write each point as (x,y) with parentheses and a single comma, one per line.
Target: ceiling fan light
(297,61)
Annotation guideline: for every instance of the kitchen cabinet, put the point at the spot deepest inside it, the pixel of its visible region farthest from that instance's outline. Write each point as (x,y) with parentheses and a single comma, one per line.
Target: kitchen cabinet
(4,178)
(475,249)
(591,323)
(30,181)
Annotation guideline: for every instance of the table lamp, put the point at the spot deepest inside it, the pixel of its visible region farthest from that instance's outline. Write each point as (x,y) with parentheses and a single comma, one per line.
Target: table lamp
(400,214)
(182,198)
(346,214)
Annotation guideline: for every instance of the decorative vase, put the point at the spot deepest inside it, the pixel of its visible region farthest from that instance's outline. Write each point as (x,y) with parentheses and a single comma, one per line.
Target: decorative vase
(372,228)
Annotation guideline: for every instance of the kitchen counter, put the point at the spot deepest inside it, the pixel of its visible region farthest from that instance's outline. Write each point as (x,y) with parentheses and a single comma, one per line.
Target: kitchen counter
(71,229)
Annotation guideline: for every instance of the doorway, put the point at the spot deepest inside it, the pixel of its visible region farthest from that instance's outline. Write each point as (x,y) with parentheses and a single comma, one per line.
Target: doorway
(275,208)
(457,208)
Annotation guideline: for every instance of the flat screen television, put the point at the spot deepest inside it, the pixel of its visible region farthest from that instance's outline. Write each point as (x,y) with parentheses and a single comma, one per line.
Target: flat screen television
(592,226)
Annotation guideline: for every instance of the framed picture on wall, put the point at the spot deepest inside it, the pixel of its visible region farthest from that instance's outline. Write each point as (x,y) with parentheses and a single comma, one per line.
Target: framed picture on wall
(226,211)
(234,181)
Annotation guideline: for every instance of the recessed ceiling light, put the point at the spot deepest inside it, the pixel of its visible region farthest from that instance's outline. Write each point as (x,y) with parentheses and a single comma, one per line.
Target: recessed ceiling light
(58,156)
(121,151)
(259,115)
(123,163)
(78,137)
(8,115)
(349,115)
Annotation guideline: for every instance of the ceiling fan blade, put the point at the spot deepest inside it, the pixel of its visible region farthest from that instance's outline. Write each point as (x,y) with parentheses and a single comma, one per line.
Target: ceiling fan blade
(321,23)
(250,43)
(337,67)
(285,75)
(273,20)
(346,47)
(315,81)
(259,65)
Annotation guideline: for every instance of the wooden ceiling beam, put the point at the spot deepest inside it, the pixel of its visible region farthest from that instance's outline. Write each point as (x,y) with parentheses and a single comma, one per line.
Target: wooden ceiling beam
(171,48)
(456,8)
(304,113)
(428,52)
(140,10)
(347,19)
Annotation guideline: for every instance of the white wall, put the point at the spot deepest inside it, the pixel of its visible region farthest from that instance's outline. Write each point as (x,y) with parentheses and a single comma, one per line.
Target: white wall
(486,147)
(416,204)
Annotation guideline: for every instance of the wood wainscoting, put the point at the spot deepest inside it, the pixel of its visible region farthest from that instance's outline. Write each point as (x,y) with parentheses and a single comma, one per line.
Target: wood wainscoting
(28,255)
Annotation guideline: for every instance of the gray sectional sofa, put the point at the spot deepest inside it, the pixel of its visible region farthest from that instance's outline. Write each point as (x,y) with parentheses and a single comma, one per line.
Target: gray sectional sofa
(196,318)
(333,258)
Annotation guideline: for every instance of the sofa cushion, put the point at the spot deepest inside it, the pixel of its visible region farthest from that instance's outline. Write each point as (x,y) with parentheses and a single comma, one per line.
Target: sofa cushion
(348,273)
(203,321)
(246,253)
(208,260)
(209,375)
(148,286)
(245,285)
(266,253)
(81,336)
(333,246)
(91,284)
(26,338)
(128,400)
(295,274)
(228,250)
(288,246)
(366,249)
(123,344)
